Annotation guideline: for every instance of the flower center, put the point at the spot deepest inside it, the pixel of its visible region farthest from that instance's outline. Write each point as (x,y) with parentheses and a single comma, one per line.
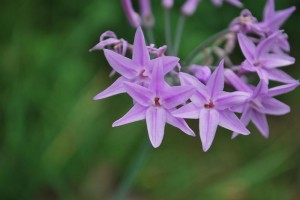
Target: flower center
(209,105)
(157,102)
(143,74)
(256,64)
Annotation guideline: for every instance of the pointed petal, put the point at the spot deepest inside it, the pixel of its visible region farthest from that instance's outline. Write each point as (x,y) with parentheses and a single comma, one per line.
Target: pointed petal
(169,63)
(209,120)
(236,81)
(280,17)
(269,9)
(230,121)
(156,120)
(247,46)
(262,88)
(188,111)
(230,99)
(202,93)
(140,94)
(263,75)
(179,123)
(157,83)
(177,95)
(261,123)
(121,64)
(275,60)
(280,76)
(136,113)
(216,82)
(272,106)
(115,88)
(245,119)
(140,54)
(265,45)
(283,89)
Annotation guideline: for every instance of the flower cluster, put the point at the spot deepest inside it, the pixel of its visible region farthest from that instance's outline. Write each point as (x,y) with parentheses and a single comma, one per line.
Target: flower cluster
(166,90)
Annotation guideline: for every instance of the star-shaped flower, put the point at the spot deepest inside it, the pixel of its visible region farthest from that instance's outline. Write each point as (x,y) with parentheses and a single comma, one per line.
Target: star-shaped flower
(260,103)
(265,64)
(273,19)
(210,104)
(137,69)
(155,104)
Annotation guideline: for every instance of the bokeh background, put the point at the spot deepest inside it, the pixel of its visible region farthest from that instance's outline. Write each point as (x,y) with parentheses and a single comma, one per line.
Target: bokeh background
(57,143)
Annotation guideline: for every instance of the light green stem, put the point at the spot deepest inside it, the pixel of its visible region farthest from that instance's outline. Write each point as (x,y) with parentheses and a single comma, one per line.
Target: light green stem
(179,30)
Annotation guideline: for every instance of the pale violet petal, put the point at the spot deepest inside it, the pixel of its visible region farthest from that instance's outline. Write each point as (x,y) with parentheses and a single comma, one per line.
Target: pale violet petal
(140,94)
(156,120)
(140,54)
(215,83)
(177,95)
(261,123)
(179,123)
(209,120)
(230,99)
(231,122)
(188,111)
(272,106)
(247,46)
(283,89)
(136,113)
(115,88)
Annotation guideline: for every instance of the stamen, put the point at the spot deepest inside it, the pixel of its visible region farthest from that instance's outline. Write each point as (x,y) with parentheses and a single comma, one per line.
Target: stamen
(156,101)
(209,105)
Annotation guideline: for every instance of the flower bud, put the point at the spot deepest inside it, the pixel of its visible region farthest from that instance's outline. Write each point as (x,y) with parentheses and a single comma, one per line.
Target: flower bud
(133,17)
(146,12)
(189,7)
(168,4)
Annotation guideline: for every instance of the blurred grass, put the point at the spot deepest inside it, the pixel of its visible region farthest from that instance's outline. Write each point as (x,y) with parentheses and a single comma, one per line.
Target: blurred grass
(57,143)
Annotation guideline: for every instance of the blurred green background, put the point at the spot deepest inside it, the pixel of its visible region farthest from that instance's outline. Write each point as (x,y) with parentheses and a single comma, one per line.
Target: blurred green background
(57,143)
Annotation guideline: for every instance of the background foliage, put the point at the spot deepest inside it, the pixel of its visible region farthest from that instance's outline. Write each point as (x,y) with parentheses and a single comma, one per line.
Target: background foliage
(57,143)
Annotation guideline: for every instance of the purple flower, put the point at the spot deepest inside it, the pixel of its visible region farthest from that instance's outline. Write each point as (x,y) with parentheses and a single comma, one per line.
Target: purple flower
(260,103)
(236,3)
(135,70)
(210,104)
(246,23)
(109,40)
(202,73)
(265,64)
(146,12)
(273,20)
(189,7)
(133,17)
(155,104)
(167,4)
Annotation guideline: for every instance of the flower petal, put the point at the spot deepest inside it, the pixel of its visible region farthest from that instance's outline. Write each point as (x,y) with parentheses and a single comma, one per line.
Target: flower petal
(115,88)
(202,93)
(265,45)
(280,76)
(260,121)
(277,60)
(140,94)
(262,88)
(209,120)
(177,95)
(236,81)
(230,121)
(188,111)
(283,89)
(136,113)
(121,64)
(179,123)
(230,99)
(157,83)
(169,63)
(247,46)
(272,106)
(140,54)
(216,82)
(245,119)
(156,120)
(280,17)
(269,9)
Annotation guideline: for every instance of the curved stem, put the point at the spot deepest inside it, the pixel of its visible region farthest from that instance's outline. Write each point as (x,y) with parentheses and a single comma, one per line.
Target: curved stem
(178,34)
(204,45)
(133,170)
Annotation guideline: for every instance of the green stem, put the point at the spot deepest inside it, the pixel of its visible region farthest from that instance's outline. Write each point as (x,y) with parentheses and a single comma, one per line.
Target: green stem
(168,31)
(179,30)
(132,171)
(204,45)
(150,36)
